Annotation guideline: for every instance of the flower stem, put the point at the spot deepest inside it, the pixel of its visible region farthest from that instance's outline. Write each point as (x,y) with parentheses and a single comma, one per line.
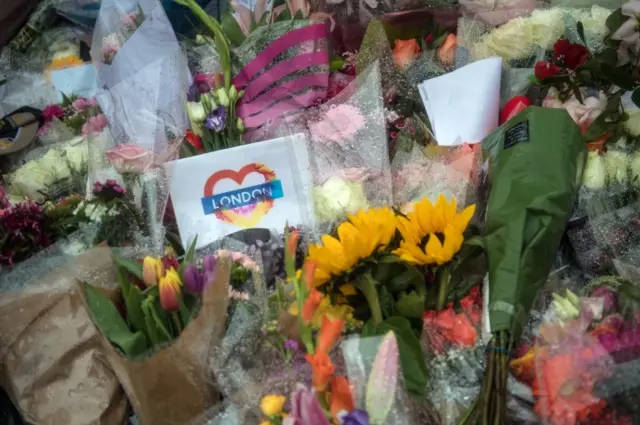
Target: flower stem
(368,287)
(443,291)
(176,322)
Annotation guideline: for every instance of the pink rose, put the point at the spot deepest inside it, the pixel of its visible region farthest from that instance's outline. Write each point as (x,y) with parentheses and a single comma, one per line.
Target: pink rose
(129,158)
(130,21)
(82,103)
(94,125)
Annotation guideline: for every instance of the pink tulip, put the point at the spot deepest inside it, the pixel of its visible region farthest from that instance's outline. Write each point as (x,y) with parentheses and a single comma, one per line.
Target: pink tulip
(129,158)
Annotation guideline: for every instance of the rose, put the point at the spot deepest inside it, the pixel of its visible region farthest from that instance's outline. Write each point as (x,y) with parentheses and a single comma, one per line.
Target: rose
(595,172)
(544,70)
(55,163)
(77,156)
(571,54)
(405,52)
(447,51)
(338,196)
(617,164)
(129,158)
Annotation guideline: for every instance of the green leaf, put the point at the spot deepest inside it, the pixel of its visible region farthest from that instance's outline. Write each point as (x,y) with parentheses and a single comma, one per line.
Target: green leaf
(635,96)
(284,16)
(139,16)
(132,266)
(299,15)
(133,303)
(162,321)
(368,286)
(185,315)
(411,277)
(410,305)
(123,281)
(152,330)
(191,252)
(615,20)
(112,325)
(580,29)
(414,368)
(619,76)
(232,29)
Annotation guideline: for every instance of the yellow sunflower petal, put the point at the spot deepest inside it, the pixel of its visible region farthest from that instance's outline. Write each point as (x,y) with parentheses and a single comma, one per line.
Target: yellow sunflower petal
(462,220)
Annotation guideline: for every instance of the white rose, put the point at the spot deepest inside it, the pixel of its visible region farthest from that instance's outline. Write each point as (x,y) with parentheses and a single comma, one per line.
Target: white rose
(77,156)
(617,165)
(31,179)
(337,197)
(595,173)
(55,163)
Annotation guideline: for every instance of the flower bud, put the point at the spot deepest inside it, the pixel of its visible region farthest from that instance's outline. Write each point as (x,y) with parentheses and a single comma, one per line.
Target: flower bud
(223,97)
(196,112)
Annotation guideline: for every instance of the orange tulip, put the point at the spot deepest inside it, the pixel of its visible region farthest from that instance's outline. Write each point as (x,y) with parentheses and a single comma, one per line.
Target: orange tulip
(330,333)
(323,369)
(341,396)
(309,272)
(311,305)
(447,50)
(405,52)
(169,289)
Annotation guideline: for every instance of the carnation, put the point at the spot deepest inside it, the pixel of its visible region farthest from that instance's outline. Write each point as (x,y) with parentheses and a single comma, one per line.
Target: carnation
(22,232)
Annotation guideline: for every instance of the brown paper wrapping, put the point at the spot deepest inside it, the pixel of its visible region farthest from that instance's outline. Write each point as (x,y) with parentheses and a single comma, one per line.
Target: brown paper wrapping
(50,361)
(174,386)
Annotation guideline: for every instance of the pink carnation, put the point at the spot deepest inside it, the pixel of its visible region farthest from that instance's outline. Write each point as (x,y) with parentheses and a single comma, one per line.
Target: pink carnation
(82,103)
(94,125)
(340,122)
(52,111)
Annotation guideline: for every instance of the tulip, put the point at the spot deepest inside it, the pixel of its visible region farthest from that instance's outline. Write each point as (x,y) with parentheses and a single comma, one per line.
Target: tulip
(193,279)
(272,405)
(152,271)
(209,268)
(322,368)
(305,409)
(169,287)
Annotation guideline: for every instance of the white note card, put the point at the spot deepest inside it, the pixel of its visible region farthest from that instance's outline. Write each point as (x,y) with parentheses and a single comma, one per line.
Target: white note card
(80,80)
(464,105)
(259,185)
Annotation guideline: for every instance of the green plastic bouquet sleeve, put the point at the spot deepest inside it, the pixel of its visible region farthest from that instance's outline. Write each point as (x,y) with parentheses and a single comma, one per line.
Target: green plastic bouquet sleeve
(536,162)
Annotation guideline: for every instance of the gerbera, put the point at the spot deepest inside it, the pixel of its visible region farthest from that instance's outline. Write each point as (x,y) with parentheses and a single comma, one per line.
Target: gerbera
(432,234)
(363,235)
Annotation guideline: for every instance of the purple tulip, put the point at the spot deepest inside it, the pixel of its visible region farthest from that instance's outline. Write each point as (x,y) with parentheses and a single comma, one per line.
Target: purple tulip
(357,417)
(217,121)
(209,268)
(193,279)
(610,298)
(306,409)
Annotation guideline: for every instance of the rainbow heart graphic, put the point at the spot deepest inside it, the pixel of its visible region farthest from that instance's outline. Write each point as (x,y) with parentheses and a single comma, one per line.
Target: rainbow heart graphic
(244,207)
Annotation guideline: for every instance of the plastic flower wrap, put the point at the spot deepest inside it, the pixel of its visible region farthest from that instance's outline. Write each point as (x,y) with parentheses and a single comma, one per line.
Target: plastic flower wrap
(581,365)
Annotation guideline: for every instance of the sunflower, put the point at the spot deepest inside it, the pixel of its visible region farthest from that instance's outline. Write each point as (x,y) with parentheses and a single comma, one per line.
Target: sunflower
(364,234)
(432,234)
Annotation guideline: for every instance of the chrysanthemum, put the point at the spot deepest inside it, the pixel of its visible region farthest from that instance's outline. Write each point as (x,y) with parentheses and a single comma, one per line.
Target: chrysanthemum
(363,235)
(432,234)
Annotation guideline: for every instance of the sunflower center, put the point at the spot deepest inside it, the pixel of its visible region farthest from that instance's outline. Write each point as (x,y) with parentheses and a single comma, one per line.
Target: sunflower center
(425,240)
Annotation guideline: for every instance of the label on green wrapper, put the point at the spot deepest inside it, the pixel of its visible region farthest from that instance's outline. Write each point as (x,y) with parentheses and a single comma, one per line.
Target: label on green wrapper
(517,134)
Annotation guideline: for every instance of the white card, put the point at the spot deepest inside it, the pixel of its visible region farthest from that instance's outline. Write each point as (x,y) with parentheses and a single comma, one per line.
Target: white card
(464,105)
(264,184)
(80,80)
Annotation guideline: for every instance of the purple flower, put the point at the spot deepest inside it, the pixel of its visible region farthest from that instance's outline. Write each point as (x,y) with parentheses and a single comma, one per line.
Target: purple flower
(193,279)
(610,298)
(209,268)
(305,409)
(291,344)
(193,94)
(217,120)
(357,417)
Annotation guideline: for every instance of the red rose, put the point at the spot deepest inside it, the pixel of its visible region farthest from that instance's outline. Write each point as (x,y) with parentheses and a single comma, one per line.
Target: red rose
(571,54)
(544,70)
(513,108)
(194,140)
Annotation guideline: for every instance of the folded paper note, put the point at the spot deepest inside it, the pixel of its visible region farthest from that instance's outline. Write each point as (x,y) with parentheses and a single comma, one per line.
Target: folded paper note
(80,81)
(266,185)
(463,105)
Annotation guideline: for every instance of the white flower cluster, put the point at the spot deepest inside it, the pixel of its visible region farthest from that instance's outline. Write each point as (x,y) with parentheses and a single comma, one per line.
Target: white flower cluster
(338,196)
(612,167)
(523,37)
(95,212)
(57,164)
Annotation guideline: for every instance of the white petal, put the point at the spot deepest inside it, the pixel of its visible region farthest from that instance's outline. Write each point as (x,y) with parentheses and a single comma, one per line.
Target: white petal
(631,8)
(626,29)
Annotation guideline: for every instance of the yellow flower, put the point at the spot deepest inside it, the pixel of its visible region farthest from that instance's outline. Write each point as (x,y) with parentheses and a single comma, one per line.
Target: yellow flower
(169,290)
(62,63)
(152,270)
(363,235)
(432,234)
(266,423)
(335,312)
(272,404)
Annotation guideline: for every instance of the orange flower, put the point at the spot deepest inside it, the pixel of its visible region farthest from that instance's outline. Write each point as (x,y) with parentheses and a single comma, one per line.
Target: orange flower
(329,335)
(405,52)
(292,242)
(323,369)
(524,368)
(311,305)
(341,397)
(309,272)
(447,50)
(169,289)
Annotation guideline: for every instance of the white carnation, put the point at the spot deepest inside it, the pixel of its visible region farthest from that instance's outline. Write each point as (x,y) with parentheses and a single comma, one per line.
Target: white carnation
(337,197)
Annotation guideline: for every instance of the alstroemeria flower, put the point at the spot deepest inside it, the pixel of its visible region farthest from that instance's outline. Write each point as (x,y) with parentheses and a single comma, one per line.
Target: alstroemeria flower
(628,33)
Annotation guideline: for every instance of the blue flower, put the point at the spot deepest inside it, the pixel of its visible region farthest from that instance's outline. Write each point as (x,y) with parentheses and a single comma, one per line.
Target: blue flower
(357,417)
(217,121)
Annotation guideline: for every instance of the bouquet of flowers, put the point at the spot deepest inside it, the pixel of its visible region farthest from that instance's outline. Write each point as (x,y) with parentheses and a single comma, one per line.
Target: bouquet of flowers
(583,355)
(75,116)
